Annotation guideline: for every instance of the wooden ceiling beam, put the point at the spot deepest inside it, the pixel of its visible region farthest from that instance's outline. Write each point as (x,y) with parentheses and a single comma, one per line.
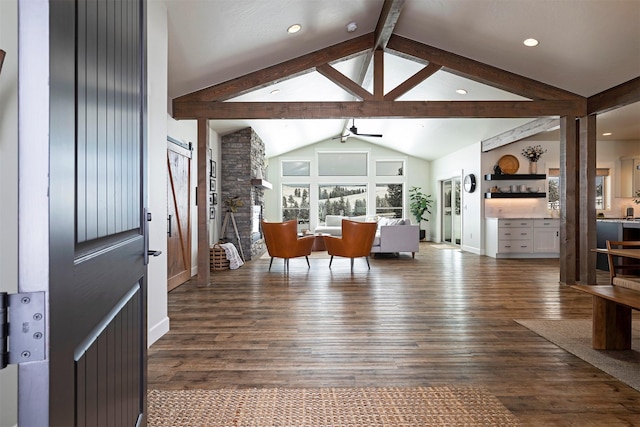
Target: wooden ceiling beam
(412,81)
(516,134)
(384,30)
(477,71)
(616,97)
(280,72)
(378,75)
(374,109)
(387,21)
(344,82)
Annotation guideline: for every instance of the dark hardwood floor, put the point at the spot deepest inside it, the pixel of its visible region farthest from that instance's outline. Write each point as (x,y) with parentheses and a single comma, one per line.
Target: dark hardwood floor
(443,318)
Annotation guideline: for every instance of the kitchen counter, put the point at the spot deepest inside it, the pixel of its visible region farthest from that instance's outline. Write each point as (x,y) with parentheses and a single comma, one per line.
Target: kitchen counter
(622,220)
(614,229)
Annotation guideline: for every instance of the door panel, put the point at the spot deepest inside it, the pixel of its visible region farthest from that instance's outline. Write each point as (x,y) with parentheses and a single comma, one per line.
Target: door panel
(179,215)
(96,287)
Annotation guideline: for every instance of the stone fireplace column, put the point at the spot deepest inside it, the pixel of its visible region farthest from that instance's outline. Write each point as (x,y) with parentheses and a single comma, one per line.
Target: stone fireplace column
(242,160)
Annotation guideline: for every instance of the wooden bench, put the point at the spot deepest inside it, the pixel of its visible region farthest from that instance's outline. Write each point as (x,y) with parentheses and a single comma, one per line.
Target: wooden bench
(612,308)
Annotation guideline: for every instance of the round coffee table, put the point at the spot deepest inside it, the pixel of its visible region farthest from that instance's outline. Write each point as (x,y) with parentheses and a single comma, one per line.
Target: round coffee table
(318,243)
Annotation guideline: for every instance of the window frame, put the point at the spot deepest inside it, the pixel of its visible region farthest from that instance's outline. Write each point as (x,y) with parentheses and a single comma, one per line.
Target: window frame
(379,210)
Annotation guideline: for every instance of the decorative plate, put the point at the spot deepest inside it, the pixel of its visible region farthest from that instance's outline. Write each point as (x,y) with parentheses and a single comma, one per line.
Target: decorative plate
(508,164)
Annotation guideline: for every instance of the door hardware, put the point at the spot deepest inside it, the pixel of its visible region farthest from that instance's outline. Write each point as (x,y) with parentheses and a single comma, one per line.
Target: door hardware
(22,328)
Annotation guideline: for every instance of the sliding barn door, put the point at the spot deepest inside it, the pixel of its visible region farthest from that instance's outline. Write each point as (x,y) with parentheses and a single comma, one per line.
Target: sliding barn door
(178,214)
(82,194)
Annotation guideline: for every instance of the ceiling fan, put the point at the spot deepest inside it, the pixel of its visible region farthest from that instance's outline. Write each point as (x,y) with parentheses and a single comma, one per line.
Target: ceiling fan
(354,131)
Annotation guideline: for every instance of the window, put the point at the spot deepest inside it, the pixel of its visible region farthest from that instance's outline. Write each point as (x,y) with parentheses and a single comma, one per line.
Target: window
(389,168)
(295,204)
(389,200)
(296,168)
(345,200)
(602,189)
(553,194)
(342,164)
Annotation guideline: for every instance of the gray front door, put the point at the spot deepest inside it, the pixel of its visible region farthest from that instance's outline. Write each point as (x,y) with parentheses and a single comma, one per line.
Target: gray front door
(82,222)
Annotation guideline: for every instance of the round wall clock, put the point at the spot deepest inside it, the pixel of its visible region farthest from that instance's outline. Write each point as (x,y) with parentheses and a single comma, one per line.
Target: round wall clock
(470,183)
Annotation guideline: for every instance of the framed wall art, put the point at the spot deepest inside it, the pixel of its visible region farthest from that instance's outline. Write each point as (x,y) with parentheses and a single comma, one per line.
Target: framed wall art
(212,169)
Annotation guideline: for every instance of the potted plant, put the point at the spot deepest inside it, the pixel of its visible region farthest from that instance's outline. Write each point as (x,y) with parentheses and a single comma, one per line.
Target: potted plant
(419,204)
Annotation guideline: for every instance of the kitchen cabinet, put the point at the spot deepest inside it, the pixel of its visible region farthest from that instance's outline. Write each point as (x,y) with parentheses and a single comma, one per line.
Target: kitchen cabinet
(546,236)
(629,176)
(522,238)
(518,178)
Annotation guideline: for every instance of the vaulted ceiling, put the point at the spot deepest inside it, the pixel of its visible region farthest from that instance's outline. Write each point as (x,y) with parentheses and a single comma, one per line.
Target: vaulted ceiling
(239,52)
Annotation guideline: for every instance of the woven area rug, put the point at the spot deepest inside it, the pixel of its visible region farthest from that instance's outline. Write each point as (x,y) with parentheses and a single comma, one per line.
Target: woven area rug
(575,337)
(328,407)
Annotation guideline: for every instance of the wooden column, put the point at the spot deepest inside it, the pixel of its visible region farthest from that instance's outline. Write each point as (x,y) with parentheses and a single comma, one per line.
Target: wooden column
(202,195)
(586,203)
(568,200)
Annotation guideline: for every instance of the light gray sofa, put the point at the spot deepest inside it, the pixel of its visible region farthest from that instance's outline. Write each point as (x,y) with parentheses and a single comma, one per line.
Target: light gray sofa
(393,235)
(333,224)
(396,236)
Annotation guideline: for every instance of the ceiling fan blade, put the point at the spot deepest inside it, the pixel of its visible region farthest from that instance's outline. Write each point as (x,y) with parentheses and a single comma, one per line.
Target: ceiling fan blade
(342,136)
(354,130)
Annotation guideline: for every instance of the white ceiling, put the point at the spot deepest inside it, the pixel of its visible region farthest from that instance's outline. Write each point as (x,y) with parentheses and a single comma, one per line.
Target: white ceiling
(586,46)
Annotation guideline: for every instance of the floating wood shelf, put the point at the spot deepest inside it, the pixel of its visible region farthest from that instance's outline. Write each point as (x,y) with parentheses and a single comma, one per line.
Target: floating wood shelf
(508,177)
(514,195)
(262,183)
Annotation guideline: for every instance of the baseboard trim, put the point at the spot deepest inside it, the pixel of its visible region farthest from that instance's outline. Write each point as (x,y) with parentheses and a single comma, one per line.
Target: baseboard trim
(471,249)
(157,331)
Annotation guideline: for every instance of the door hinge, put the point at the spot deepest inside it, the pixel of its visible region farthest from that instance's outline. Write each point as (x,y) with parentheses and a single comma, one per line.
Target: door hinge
(22,328)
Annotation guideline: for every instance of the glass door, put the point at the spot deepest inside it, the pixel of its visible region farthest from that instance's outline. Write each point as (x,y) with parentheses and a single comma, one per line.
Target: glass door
(451,213)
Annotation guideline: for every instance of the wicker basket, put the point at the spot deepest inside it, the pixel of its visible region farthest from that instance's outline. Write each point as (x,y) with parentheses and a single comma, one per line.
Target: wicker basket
(218,258)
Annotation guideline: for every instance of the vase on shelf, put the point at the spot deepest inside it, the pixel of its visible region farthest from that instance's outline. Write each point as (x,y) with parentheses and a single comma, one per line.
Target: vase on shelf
(533,168)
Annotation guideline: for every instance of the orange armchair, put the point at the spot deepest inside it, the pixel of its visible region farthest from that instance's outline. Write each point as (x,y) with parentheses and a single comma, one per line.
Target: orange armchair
(283,242)
(357,238)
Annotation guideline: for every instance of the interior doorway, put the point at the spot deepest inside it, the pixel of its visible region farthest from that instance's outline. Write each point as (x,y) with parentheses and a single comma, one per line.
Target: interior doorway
(451,213)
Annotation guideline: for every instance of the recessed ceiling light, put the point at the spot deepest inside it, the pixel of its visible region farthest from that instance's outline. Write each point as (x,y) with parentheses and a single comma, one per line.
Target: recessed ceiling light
(273,92)
(607,134)
(294,28)
(461,91)
(351,27)
(531,42)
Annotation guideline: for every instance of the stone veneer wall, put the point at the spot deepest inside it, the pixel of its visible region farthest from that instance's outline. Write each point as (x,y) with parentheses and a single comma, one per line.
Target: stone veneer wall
(242,159)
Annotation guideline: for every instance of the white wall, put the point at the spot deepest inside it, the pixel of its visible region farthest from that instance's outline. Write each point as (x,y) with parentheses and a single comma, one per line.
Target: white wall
(518,208)
(475,208)
(416,171)
(157,47)
(9,188)
(459,164)
(216,153)
(608,154)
